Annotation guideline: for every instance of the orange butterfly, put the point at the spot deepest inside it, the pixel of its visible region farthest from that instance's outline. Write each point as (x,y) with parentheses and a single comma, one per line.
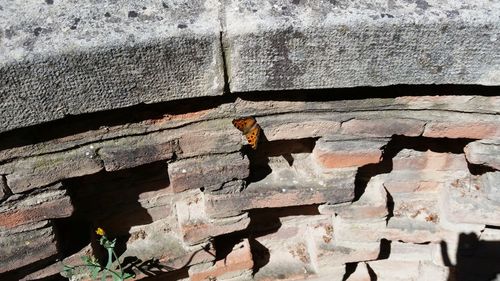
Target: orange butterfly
(249,127)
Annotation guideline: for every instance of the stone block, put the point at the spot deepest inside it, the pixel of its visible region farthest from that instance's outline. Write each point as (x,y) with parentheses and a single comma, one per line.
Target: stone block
(238,262)
(118,57)
(135,151)
(484,152)
(423,181)
(37,239)
(383,127)
(344,153)
(273,45)
(29,173)
(208,172)
(49,203)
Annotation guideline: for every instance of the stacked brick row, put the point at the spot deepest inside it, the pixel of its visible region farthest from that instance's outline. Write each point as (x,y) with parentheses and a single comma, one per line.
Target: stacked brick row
(336,189)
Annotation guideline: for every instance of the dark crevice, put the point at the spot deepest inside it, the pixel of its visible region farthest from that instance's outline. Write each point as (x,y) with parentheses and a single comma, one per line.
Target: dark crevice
(385,249)
(224,64)
(394,146)
(259,158)
(390,207)
(350,268)
(360,93)
(109,200)
(373,275)
(262,222)
(478,169)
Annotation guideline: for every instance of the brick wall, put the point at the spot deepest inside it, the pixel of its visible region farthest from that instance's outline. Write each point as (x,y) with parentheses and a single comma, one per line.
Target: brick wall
(385,186)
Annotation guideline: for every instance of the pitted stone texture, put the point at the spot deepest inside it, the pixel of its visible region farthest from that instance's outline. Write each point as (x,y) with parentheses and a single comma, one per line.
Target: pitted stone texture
(72,58)
(484,152)
(36,239)
(274,45)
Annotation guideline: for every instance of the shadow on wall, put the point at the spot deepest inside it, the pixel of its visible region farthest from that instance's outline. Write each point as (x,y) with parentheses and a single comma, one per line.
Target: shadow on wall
(111,200)
(476,259)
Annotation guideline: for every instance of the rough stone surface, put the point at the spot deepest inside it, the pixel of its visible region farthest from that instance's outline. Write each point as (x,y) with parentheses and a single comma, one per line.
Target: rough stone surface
(39,171)
(209,171)
(274,45)
(36,239)
(59,59)
(484,152)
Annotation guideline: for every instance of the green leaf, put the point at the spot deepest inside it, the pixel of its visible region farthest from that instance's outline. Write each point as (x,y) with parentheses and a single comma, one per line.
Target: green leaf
(94,271)
(127,275)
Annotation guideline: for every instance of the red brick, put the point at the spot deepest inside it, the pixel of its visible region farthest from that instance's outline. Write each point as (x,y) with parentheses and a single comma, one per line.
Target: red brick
(208,171)
(408,159)
(383,127)
(237,261)
(48,204)
(466,129)
(348,153)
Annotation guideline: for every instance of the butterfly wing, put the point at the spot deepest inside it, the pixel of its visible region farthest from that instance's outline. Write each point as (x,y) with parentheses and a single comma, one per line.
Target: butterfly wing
(244,124)
(253,136)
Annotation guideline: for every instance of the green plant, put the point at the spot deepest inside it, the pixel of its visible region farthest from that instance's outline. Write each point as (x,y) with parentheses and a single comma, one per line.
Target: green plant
(95,268)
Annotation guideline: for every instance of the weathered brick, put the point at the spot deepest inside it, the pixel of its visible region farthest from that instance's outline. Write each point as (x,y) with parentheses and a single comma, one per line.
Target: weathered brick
(273,192)
(484,152)
(238,262)
(383,127)
(297,126)
(490,183)
(390,269)
(135,151)
(420,180)
(159,240)
(50,203)
(33,172)
(408,159)
(208,171)
(372,204)
(290,247)
(27,244)
(196,227)
(343,153)
(211,138)
(464,129)
(465,201)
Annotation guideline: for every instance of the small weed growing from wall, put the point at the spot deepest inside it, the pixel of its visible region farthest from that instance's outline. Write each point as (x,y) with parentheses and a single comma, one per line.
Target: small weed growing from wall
(96,270)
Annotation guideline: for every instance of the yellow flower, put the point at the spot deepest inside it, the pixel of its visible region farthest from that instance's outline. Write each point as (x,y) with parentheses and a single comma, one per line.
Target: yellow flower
(100,231)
